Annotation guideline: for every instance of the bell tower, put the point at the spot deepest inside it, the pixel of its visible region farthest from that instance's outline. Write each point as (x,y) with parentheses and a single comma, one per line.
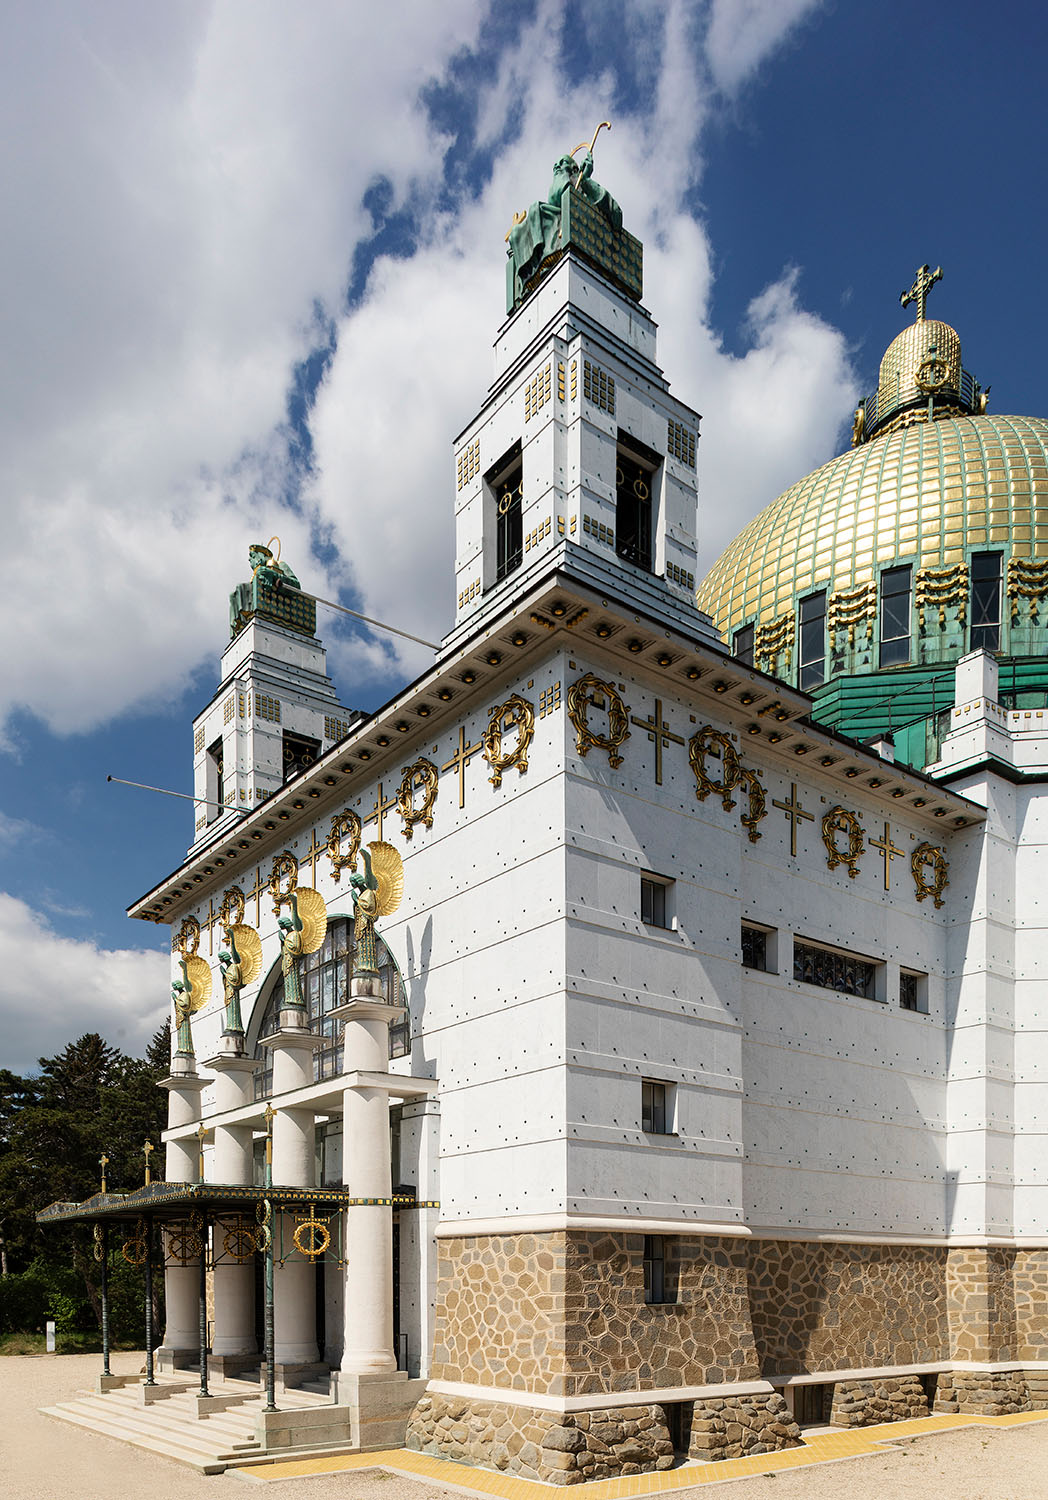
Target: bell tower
(275,710)
(580,453)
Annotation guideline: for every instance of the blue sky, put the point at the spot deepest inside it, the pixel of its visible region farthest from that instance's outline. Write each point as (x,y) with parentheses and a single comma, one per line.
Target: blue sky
(255,267)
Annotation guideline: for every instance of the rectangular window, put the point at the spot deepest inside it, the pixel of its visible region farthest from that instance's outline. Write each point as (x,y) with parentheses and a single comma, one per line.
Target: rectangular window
(986,601)
(742,644)
(636,467)
(216,784)
(659,1278)
(653,904)
(754,948)
(913,991)
(811,653)
(300,752)
(895,616)
(505,484)
(833,970)
(656,1107)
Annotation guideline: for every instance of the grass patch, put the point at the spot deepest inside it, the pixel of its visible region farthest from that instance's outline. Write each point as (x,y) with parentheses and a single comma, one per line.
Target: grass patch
(66,1343)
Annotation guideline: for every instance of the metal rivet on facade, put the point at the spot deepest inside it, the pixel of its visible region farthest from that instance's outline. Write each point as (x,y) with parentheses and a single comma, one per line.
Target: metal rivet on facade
(635,646)
(284,816)
(850,772)
(423,710)
(382,740)
(520,639)
(919,801)
(493,658)
(826,760)
(693,672)
(754,729)
(775,738)
(664,659)
(329,780)
(444,695)
(469,677)
(604,631)
(558,609)
(401,727)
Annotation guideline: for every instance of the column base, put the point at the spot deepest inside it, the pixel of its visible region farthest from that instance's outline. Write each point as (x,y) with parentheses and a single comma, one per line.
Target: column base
(380,1405)
(291,1373)
(232,1366)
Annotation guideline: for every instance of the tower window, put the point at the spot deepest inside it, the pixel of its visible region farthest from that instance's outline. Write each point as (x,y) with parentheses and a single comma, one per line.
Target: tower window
(811,655)
(636,468)
(656,1107)
(895,616)
(742,644)
(986,601)
(659,1279)
(216,784)
(505,484)
(300,751)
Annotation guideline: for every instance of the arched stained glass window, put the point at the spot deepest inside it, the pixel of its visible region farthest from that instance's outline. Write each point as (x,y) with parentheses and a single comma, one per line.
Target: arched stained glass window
(325,977)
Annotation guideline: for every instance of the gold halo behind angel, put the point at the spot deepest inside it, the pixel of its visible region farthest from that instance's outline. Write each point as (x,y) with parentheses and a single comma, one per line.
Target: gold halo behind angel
(375,894)
(241,961)
(190,994)
(303,932)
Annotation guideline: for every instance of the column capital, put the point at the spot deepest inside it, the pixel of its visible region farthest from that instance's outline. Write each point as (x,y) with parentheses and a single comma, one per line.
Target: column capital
(366,1008)
(189,1082)
(231,1062)
(293,1038)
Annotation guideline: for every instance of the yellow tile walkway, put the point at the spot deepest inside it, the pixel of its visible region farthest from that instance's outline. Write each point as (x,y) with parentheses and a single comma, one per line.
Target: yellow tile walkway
(820,1447)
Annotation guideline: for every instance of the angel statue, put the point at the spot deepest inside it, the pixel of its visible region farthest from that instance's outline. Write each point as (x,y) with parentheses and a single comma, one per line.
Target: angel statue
(301,933)
(375,894)
(190,994)
(241,962)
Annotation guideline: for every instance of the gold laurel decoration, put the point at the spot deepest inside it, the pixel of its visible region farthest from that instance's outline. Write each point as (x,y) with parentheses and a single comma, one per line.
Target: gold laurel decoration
(312,1236)
(263,1238)
(388,869)
(199,971)
(588,692)
(183,1242)
(97,1237)
(344,825)
(239,1242)
(136,1250)
(249,946)
(931,374)
(187,939)
(924,857)
(849,607)
(312,911)
(772,640)
(942,586)
(1027,580)
(231,911)
(263,1210)
(422,776)
(283,878)
(708,741)
(516,713)
(839,820)
(758,802)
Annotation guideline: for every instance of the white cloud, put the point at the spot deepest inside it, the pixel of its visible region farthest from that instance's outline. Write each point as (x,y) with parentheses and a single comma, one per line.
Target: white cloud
(742,33)
(185,200)
(56,988)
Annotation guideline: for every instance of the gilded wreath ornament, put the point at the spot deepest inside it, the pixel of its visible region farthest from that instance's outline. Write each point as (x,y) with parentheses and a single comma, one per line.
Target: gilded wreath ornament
(516,713)
(708,741)
(927,857)
(344,826)
(231,912)
(840,821)
(758,802)
(422,776)
(590,691)
(283,879)
(136,1249)
(187,938)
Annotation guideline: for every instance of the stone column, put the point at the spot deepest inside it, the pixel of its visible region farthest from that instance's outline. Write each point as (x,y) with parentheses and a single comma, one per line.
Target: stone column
(234,1343)
(181,1344)
(368,1238)
(294,1165)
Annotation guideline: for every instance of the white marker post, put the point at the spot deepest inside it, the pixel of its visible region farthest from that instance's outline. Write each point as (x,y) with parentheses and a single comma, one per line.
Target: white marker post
(49,1327)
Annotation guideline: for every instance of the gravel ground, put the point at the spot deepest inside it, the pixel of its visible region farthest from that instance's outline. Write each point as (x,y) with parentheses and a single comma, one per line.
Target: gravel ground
(42,1459)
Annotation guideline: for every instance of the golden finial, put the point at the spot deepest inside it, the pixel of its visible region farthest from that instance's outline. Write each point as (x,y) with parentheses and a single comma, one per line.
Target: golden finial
(103,1162)
(270,1113)
(922,285)
(146,1149)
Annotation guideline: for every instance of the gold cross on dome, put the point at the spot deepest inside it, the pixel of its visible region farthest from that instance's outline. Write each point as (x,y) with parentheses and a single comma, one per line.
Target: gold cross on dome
(796,813)
(659,732)
(460,760)
(922,285)
(888,850)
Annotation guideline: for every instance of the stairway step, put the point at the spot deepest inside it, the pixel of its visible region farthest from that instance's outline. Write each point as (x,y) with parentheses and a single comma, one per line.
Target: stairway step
(203,1461)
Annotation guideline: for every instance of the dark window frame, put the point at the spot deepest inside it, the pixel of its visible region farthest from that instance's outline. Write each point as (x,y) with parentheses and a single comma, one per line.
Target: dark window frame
(895,649)
(298,752)
(656,1107)
(913,992)
(750,933)
(811,624)
(216,761)
(636,467)
(660,1281)
(986,574)
(504,482)
(742,644)
(835,969)
(654,902)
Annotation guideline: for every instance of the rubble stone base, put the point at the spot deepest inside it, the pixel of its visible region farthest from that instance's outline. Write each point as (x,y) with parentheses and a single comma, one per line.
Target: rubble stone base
(988,1395)
(734,1426)
(888,1398)
(561,1449)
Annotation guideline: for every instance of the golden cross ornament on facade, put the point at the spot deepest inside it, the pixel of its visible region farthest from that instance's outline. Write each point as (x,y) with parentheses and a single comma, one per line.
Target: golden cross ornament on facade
(103,1162)
(922,285)
(795,813)
(660,734)
(460,760)
(889,851)
(202,1131)
(146,1149)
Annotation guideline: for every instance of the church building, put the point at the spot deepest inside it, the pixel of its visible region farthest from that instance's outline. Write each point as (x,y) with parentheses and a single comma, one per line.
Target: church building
(685,1080)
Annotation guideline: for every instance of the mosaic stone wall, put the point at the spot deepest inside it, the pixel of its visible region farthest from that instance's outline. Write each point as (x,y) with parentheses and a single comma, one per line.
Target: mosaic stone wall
(981,1304)
(564,1314)
(890,1398)
(990,1394)
(1030,1290)
(733,1427)
(540,1444)
(830,1307)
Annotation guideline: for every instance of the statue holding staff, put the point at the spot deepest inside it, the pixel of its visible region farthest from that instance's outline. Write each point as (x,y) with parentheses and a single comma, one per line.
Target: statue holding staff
(376,893)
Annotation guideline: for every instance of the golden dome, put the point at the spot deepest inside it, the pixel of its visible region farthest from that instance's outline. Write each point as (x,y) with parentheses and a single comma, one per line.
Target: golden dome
(927,492)
(924,357)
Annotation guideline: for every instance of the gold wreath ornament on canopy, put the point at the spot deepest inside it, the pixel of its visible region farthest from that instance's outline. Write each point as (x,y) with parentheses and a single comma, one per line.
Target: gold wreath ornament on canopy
(388,869)
(198,972)
(312,911)
(249,947)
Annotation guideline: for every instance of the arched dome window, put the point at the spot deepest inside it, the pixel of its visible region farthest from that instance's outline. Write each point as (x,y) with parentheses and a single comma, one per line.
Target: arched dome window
(324,977)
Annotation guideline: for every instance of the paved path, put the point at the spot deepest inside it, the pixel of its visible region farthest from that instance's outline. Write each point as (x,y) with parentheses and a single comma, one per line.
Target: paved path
(1000,1458)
